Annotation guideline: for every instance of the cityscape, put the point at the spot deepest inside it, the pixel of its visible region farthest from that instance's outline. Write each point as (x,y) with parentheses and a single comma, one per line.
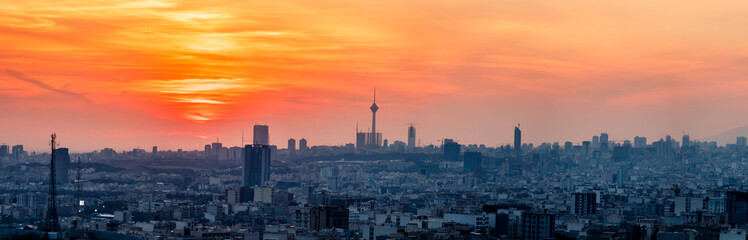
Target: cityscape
(599,189)
(373,120)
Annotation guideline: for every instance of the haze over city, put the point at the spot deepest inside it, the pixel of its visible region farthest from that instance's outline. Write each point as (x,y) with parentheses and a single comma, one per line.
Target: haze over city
(373,120)
(129,74)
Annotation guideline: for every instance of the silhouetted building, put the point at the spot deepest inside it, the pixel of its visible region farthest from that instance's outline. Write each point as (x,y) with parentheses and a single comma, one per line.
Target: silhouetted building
(4,150)
(154,150)
(451,150)
(256,165)
(603,142)
(517,141)
(62,165)
(328,217)
(537,226)
(17,152)
(640,142)
(261,135)
(411,136)
(583,203)
(472,161)
(291,146)
(303,145)
(686,141)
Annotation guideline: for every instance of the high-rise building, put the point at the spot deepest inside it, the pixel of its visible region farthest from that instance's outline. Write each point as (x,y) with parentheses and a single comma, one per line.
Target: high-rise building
(583,203)
(261,135)
(603,142)
(4,150)
(537,226)
(17,152)
(155,150)
(640,142)
(568,146)
(303,145)
(586,147)
(741,141)
(472,161)
(256,165)
(517,141)
(595,142)
(291,145)
(411,136)
(686,141)
(451,150)
(207,149)
(737,207)
(62,165)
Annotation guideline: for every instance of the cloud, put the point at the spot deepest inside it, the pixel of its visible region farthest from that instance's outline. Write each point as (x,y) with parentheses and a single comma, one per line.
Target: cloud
(20,76)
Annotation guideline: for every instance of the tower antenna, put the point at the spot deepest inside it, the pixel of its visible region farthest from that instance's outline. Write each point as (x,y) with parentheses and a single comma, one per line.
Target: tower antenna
(51,219)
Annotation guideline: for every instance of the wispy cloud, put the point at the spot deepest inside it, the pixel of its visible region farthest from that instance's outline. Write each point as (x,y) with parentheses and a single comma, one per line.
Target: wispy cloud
(22,77)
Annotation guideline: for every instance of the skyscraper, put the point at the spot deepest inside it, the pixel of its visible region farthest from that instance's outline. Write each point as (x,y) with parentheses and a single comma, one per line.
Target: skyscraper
(261,135)
(411,136)
(595,142)
(291,145)
(256,165)
(686,142)
(472,161)
(303,145)
(517,141)
(603,142)
(17,152)
(374,136)
(4,150)
(62,165)
(451,150)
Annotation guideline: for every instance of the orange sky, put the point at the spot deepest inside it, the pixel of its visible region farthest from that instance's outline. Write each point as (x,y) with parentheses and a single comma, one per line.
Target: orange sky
(178,74)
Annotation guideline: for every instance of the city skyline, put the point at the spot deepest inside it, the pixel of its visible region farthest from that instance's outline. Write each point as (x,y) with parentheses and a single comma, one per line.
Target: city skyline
(134,74)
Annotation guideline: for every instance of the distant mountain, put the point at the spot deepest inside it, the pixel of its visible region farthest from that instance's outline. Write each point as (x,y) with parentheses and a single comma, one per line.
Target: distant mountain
(729,137)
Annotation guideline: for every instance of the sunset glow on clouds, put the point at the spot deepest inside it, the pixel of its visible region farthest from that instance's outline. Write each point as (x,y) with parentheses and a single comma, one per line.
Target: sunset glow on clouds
(178,74)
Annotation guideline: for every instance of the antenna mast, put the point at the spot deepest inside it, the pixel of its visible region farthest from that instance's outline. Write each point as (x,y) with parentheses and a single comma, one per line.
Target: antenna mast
(51,218)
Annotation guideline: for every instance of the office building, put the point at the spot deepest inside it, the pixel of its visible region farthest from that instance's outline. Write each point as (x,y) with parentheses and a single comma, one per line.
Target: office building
(472,161)
(261,135)
(411,136)
(291,146)
(603,142)
(256,165)
(303,145)
(62,165)
(451,150)
(17,152)
(4,150)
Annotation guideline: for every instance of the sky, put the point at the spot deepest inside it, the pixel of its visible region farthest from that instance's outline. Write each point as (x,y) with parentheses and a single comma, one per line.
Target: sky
(180,74)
